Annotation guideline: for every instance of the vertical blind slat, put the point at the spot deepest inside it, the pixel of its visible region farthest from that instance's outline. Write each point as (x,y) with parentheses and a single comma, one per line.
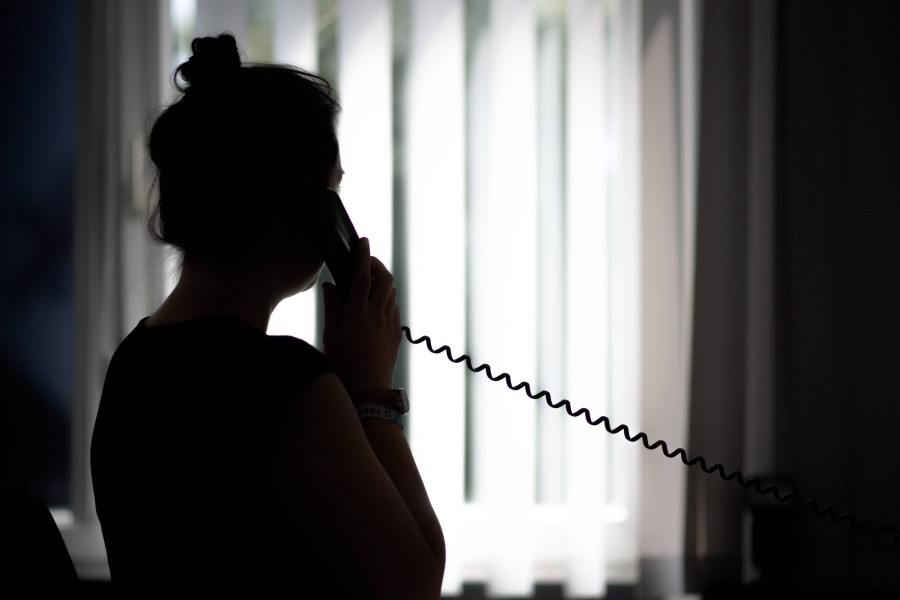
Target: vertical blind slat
(217,16)
(504,294)
(626,293)
(295,33)
(588,291)
(551,267)
(364,81)
(665,342)
(436,284)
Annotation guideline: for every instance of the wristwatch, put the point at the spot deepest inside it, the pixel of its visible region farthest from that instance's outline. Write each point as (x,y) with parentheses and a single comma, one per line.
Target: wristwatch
(395,399)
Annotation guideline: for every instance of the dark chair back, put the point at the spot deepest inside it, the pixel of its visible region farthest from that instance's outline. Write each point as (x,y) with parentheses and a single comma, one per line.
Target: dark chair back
(32,551)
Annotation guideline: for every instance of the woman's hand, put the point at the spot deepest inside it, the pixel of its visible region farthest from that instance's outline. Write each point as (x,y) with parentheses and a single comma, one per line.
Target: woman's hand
(362,335)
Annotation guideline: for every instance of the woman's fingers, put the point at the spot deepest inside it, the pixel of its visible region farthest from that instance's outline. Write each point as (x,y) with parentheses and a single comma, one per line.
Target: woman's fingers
(365,336)
(395,315)
(392,300)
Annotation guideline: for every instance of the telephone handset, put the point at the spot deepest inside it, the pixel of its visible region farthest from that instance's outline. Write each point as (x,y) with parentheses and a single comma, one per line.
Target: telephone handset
(338,247)
(339,241)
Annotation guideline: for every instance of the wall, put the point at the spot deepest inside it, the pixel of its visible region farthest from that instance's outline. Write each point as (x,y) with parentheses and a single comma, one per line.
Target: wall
(37,151)
(840,261)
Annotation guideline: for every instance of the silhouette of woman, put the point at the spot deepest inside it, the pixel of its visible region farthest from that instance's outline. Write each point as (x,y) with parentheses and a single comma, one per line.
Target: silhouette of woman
(222,456)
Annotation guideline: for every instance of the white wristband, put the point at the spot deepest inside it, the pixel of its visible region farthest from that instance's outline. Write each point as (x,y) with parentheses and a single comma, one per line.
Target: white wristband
(376,411)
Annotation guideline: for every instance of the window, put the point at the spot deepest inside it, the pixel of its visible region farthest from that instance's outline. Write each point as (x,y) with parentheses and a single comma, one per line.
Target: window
(492,156)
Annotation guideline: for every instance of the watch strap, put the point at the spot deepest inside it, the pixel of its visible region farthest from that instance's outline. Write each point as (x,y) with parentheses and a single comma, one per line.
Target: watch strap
(377,411)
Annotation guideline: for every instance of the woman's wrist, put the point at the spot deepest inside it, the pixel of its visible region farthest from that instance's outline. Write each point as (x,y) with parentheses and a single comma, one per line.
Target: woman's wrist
(361,385)
(394,398)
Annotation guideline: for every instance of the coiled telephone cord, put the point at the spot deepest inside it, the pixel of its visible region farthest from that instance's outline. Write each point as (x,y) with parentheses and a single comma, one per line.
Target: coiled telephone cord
(718,468)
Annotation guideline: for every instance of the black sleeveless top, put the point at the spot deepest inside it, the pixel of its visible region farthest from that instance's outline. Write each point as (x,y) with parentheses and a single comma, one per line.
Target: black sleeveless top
(183,451)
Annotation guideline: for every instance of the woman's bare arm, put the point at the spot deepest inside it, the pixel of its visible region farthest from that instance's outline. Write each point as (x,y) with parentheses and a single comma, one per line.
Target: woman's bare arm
(392,449)
(357,487)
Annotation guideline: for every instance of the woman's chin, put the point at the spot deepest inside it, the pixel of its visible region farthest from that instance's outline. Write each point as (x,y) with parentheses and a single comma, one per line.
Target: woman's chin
(310,282)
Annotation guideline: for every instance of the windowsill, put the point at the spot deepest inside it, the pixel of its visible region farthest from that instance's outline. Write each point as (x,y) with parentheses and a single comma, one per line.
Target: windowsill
(85,544)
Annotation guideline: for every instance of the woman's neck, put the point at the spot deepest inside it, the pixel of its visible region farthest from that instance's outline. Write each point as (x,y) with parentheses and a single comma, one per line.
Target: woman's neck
(248,292)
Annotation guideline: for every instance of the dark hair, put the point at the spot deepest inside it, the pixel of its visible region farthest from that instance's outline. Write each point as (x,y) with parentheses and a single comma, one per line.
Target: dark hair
(240,152)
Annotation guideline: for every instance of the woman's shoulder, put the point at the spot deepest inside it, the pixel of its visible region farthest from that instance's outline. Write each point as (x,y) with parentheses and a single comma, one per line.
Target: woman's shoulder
(222,360)
(221,340)
(290,352)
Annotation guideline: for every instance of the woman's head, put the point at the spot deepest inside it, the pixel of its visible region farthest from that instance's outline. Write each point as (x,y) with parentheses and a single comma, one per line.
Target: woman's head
(241,154)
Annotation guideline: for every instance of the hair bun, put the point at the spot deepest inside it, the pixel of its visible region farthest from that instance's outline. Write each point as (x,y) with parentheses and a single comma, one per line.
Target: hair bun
(214,60)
